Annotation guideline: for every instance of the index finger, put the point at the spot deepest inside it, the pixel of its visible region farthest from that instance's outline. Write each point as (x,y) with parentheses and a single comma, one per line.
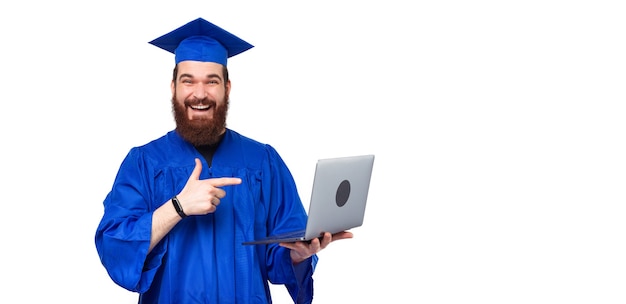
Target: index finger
(224,181)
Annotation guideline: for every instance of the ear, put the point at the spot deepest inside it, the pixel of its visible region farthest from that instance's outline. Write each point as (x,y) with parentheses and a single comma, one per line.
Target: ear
(173,88)
(228,87)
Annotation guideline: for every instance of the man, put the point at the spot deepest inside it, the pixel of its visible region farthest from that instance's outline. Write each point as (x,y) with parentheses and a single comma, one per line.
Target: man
(181,205)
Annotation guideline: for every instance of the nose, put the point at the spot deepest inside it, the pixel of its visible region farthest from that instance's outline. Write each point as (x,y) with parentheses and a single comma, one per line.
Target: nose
(199,92)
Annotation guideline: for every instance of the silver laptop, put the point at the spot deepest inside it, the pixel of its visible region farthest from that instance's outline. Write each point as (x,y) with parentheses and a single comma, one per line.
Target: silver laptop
(338,198)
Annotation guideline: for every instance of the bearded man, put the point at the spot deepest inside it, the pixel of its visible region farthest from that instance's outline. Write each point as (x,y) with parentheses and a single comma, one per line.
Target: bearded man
(182,205)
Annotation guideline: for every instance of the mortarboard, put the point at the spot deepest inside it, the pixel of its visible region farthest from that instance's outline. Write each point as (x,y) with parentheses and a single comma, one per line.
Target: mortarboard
(200,40)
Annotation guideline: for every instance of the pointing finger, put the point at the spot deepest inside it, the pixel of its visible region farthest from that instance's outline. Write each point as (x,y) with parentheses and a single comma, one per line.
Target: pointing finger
(224,181)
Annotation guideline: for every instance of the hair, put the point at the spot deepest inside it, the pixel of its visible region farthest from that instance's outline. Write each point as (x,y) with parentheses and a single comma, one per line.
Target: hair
(224,71)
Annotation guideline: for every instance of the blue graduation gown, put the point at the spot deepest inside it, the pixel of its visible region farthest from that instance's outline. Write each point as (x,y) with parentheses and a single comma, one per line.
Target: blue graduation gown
(202,260)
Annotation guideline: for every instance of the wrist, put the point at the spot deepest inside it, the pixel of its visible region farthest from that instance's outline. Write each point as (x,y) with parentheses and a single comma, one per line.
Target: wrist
(178,207)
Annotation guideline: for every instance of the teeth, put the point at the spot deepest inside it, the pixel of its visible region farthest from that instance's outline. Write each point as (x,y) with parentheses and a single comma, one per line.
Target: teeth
(200,107)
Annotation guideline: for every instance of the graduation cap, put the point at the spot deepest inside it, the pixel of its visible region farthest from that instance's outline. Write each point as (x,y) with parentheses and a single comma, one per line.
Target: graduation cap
(200,40)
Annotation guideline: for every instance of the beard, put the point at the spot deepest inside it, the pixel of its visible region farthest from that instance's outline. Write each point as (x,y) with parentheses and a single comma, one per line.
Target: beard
(200,132)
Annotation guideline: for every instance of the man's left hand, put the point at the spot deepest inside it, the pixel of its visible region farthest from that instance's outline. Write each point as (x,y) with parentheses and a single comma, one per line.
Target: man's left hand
(301,251)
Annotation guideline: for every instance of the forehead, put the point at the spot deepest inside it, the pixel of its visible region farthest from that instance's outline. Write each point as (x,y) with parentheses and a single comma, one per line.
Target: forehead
(199,68)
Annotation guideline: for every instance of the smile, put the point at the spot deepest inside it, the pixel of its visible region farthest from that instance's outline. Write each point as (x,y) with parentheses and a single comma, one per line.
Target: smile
(200,107)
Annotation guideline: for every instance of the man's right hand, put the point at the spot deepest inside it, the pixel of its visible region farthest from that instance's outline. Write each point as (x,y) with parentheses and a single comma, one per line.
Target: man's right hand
(200,197)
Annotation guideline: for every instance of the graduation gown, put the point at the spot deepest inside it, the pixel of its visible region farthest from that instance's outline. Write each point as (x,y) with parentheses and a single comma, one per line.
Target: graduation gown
(202,260)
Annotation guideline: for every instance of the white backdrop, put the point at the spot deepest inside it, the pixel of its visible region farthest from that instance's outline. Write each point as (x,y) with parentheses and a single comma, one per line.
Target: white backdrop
(498,130)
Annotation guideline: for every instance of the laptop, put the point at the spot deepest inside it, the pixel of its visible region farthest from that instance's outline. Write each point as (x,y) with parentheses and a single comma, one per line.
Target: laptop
(338,198)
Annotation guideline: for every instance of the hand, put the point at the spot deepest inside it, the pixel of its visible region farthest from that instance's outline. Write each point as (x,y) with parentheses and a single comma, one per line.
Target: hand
(200,197)
(301,251)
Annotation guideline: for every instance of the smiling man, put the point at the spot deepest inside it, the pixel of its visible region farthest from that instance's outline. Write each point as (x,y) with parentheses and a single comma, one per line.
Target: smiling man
(196,93)
(182,205)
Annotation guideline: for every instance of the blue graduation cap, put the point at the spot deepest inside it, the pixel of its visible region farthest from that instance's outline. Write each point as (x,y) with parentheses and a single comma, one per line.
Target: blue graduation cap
(200,40)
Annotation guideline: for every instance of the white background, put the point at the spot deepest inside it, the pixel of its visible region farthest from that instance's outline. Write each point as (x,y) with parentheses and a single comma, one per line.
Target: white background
(499,132)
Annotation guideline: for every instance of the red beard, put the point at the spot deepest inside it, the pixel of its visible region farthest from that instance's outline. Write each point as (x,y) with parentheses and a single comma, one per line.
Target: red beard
(200,132)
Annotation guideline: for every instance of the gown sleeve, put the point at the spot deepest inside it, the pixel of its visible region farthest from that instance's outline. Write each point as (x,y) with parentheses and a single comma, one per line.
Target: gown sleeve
(287,213)
(123,234)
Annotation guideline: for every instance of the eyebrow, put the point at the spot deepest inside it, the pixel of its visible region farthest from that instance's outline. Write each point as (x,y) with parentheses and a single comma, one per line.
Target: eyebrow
(210,76)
